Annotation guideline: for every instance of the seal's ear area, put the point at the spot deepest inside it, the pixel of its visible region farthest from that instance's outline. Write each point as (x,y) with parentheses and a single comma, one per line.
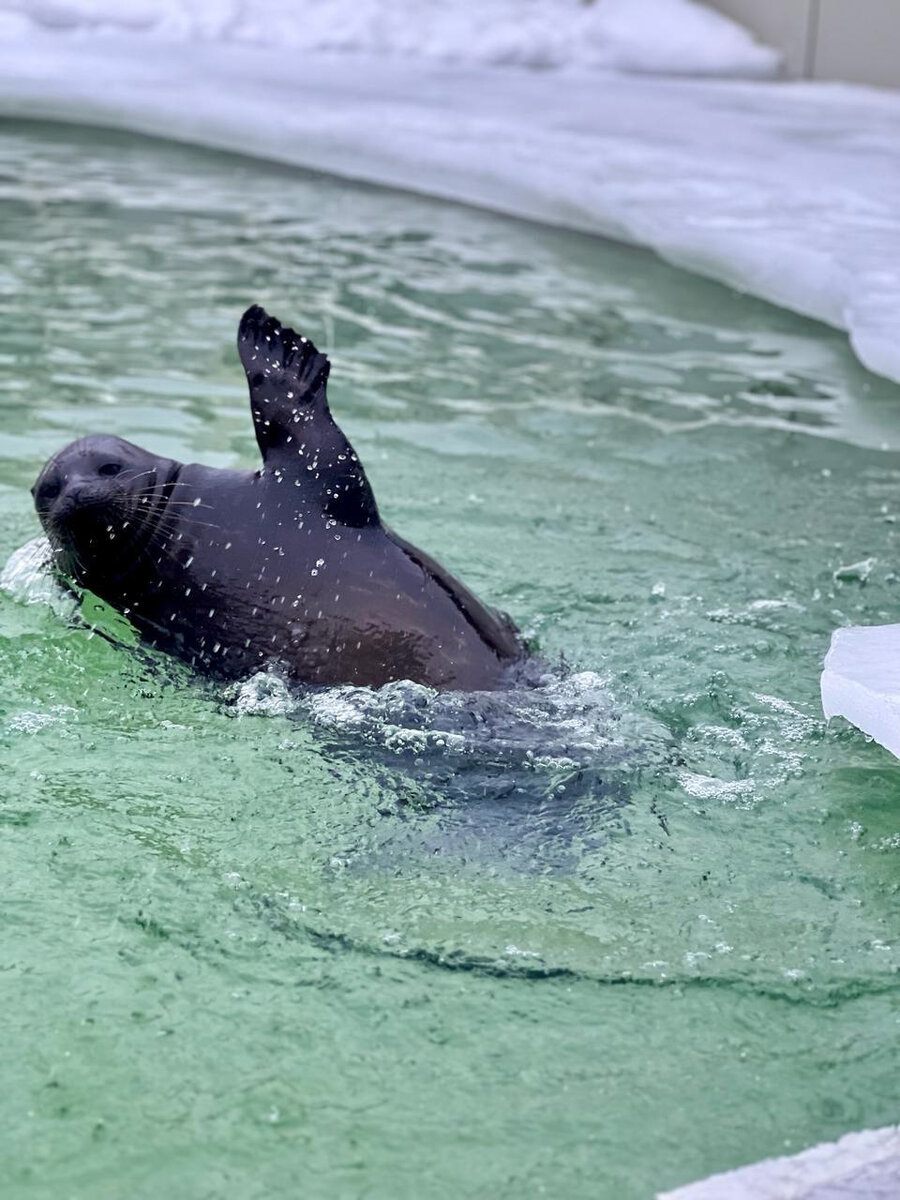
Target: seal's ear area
(286,374)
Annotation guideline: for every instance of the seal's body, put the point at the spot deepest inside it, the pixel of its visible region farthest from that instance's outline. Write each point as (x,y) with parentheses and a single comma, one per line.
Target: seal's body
(231,570)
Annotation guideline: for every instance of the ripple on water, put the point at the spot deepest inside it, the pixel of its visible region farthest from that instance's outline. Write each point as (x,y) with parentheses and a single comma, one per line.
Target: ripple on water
(651,898)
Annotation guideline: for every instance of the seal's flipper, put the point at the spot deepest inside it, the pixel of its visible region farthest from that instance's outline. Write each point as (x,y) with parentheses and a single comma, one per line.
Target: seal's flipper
(294,426)
(287,377)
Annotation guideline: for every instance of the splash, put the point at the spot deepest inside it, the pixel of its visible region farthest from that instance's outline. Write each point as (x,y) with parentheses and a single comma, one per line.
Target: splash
(264,694)
(554,722)
(28,577)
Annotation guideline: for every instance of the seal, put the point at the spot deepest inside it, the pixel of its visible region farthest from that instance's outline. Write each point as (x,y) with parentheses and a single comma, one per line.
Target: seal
(289,564)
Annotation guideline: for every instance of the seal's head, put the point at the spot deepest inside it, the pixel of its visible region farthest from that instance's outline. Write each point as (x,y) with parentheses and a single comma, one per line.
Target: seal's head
(100,501)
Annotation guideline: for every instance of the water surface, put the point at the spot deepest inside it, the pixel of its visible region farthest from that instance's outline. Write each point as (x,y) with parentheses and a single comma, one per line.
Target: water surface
(332,949)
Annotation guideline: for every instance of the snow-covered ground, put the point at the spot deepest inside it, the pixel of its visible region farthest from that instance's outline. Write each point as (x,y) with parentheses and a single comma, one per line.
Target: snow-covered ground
(673,36)
(785,190)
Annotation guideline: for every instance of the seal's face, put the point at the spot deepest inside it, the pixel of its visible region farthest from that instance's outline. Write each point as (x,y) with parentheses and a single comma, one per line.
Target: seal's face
(100,500)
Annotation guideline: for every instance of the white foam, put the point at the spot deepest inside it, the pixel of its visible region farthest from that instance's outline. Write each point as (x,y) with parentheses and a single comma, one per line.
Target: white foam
(861,681)
(29,722)
(27,577)
(264,694)
(784,190)
(563,723)
(705,787)
(857,572)
(560,724)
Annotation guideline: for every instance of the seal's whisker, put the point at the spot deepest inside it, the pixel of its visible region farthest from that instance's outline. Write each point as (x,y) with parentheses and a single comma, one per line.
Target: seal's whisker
(158,494)
(186,504)
(136,475)
(197,524)
(161,486)
(175,524)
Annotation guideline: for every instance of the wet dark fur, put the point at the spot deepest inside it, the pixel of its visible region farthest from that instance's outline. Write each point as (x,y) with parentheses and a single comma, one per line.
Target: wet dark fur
(230,570)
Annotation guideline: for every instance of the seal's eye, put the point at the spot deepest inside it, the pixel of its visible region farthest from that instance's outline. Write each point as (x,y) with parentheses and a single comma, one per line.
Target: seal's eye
(109,469)
(48,491)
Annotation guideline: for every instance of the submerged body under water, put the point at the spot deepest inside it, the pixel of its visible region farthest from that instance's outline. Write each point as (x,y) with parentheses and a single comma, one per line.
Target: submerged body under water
(520,774)
(610,931)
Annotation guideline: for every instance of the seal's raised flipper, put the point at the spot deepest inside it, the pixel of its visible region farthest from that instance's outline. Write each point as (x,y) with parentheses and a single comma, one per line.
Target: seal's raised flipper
(296,432)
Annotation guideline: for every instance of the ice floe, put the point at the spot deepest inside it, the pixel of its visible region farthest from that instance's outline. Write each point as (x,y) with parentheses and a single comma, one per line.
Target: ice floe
(861,681)
(861,1166)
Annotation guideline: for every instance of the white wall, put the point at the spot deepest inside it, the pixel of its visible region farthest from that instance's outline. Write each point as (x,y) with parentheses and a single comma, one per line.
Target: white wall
(856,40)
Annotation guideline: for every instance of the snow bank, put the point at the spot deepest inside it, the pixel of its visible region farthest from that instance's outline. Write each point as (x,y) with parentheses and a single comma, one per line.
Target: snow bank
(787,191)
(861,1166)
(861,681)
(672,36)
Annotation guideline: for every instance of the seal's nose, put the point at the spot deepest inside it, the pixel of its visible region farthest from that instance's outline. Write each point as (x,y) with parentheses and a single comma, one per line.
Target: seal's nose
(58,493)
(69,498)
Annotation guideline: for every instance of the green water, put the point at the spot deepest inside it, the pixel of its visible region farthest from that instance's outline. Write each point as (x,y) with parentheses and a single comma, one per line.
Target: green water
(235,960)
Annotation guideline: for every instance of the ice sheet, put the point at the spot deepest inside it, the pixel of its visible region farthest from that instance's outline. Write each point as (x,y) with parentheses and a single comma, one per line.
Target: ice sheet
(861,1166)
(861,681)
(785,190)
